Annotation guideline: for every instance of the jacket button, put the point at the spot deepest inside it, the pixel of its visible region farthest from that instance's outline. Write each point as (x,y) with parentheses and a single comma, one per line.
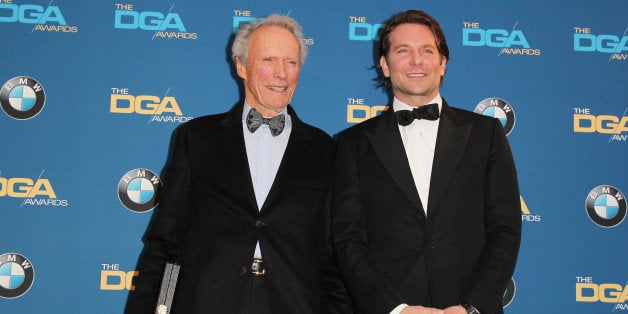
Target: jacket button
(242,271)
(259,224)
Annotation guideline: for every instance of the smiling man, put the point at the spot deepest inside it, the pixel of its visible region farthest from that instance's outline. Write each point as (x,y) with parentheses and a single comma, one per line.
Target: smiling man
(245,209)
(426,213)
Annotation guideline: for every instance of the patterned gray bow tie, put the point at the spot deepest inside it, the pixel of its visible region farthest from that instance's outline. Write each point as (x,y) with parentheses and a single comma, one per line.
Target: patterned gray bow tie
(254,119)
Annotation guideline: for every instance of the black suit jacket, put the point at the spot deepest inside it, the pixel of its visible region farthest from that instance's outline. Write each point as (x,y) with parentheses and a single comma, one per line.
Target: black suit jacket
(208,220)
(390,252)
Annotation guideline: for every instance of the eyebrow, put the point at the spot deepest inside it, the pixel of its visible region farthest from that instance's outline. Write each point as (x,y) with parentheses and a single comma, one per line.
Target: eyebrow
(433,45)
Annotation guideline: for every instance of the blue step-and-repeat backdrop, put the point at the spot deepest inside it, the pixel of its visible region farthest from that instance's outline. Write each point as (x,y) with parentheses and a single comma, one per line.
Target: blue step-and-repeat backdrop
(92,90)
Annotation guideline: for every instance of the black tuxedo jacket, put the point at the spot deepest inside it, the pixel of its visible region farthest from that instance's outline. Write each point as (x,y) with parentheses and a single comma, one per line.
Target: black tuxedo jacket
(208,220)
(389,252)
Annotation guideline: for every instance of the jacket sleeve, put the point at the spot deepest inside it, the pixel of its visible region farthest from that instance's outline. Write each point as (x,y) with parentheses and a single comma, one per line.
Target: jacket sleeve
(335,298)
(165,233)
(502,220)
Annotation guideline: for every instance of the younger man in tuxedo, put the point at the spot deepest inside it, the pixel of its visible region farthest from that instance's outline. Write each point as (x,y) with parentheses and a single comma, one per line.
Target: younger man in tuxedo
(426,211)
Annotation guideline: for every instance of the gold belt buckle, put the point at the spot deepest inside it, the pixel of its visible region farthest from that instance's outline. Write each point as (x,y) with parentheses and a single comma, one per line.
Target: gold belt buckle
(257,267)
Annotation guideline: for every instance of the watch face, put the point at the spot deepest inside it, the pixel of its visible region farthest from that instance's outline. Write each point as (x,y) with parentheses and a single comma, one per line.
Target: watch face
(472,310)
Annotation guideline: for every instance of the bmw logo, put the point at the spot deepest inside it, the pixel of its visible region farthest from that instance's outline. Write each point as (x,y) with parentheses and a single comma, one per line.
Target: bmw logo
(16,275)
(500,109)
(22,98)
(606,206)
(139,190)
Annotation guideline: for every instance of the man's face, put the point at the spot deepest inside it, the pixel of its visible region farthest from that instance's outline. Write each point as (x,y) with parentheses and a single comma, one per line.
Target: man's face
(271,71)
(413,64)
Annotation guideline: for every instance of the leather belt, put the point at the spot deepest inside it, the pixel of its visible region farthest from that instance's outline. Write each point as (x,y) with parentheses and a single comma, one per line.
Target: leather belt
(257,267)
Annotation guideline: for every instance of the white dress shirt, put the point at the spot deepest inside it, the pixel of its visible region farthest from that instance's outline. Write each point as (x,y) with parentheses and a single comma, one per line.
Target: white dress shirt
(419,141)
(264,153)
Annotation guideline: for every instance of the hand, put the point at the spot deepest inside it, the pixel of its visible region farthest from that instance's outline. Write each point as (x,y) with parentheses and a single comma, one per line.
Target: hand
(422,310)
(458,309)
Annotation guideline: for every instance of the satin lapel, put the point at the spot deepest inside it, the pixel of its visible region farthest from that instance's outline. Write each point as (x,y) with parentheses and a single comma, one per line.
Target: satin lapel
(232,144)
(386,142)
(453,134)
(298,153)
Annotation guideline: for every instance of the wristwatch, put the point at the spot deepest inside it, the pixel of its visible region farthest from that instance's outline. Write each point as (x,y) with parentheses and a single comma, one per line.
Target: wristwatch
(470,308)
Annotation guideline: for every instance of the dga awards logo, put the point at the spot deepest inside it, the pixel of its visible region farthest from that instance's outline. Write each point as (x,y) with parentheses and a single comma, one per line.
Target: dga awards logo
(164,109)
(139,190)
(164,25)
(584,121)
(585,41)
(358,111)
(361,30)
(35,192)
(22,98)
(512,42)
(16,275)
(500,109)
(509,294)
(45,18)
(587,291)
(113,278)
(606,206)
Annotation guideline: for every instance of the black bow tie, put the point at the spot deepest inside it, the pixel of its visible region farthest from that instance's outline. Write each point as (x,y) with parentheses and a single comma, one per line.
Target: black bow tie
(427,112)
(254,119)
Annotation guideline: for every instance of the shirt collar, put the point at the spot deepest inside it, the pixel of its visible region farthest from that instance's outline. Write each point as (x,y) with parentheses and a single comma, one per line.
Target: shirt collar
(398,105)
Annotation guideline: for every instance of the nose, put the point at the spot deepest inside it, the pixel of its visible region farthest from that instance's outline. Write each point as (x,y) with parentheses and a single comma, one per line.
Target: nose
(416,58)
(280,70)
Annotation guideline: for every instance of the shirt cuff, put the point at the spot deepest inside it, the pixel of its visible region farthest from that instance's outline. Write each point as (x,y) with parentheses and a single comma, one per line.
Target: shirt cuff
(398,309)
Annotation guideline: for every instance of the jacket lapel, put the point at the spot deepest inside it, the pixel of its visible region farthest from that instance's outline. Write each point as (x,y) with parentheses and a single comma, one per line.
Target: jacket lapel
(453,134)
(232,144)
(386,141)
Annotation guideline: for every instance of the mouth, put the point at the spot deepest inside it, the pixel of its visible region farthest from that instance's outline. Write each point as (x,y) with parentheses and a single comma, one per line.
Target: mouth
(416,75)
(279,89)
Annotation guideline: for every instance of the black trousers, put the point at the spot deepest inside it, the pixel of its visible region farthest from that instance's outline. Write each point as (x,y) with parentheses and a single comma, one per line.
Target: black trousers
(259,299)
